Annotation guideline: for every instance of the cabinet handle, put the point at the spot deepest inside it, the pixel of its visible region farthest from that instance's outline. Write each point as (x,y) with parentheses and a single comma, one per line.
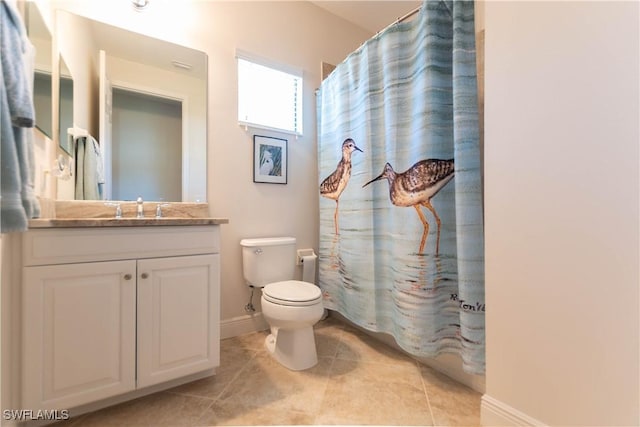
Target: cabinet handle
(127,277)
(144,275)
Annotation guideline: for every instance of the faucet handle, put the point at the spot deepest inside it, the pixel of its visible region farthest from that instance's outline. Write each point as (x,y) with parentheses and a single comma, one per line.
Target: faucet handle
(118,208)
(139,208)
(159,209)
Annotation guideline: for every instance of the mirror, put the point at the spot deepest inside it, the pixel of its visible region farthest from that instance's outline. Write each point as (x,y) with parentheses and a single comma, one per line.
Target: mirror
(151,102)
(40,37)
(65,107)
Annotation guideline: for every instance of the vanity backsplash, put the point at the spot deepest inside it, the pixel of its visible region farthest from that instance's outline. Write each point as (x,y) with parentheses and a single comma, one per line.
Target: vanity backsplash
(100,209)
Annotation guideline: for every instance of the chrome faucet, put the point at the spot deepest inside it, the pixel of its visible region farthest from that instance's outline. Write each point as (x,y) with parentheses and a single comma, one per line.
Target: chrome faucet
(118,208)
(159,209)
(139,210)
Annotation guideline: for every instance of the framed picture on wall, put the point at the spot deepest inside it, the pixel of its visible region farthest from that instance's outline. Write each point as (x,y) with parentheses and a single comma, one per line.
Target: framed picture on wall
(269,159)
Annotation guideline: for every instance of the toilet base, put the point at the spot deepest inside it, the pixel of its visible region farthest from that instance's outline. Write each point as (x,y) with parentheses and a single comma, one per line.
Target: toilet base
(294,349)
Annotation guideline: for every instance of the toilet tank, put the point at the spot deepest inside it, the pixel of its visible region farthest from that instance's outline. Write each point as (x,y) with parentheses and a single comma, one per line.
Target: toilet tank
(268,260)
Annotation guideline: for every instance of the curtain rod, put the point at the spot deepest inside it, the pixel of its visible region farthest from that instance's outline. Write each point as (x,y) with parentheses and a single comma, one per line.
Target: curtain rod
(409,15)
(401,19)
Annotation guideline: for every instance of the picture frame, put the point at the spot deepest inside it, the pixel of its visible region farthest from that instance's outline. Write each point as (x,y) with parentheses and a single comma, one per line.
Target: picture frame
(269,159)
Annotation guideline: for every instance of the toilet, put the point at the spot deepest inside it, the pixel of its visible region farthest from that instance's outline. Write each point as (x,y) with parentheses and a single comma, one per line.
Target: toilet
(290,307)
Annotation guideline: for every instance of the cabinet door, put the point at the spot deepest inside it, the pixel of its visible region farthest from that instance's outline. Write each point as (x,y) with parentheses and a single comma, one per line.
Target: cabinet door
(178,317)
(78,333)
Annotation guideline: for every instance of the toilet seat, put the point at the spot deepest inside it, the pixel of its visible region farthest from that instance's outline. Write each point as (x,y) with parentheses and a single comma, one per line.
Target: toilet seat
(292,293)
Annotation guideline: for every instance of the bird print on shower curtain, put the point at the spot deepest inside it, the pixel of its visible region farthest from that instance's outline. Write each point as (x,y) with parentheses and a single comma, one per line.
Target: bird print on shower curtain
(333,185)
(408,96)
(416,186)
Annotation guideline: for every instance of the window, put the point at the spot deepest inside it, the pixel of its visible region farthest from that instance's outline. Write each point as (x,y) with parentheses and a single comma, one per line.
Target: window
(269,96)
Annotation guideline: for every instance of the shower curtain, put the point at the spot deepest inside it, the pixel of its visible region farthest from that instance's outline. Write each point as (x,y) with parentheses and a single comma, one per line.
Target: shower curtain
(401,227)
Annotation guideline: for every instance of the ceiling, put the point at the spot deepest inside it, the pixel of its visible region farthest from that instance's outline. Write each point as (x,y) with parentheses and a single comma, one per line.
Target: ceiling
(371,15)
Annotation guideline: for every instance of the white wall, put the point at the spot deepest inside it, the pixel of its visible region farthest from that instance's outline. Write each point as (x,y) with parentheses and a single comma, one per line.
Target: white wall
(10,277)
(295,33)
(561,180)
(76,49)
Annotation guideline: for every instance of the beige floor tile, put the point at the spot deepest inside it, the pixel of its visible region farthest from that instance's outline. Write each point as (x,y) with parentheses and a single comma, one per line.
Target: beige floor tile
(232,361)
(330,321)
(266,383)
(131,414)
(67,423)
(159,409)
(452,403)
(358,381)
(328,334)
(357,345)
(174,410)
(237,414)
(252,341)
(364,393)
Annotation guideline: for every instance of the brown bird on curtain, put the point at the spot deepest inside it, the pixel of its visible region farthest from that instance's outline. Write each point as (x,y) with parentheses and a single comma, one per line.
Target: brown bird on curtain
(333,185)
(416,186)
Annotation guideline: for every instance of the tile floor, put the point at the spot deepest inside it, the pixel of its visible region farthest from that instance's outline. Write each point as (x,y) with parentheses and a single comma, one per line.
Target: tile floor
(357,381)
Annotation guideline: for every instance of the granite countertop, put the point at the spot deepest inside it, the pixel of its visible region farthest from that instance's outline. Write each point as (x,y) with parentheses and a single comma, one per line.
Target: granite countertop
(122,222)
(92,213)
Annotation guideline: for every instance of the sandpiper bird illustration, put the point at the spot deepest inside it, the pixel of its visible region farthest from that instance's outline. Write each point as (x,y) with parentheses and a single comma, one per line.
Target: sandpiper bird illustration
(334,184)
(416,186)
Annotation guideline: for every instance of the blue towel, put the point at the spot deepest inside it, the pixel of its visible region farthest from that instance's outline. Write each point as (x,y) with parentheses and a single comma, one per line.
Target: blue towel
(79,155)
(89,169)
(17,118)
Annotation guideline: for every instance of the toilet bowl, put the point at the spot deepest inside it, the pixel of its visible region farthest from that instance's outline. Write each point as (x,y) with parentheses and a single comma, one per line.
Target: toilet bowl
(290,307)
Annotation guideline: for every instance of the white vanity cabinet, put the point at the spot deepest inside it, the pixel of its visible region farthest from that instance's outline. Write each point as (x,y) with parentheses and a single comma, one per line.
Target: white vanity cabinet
(111,310)
(79,335)
(174,317)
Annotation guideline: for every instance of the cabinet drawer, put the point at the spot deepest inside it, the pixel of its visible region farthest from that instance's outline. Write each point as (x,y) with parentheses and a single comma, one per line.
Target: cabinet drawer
(64,246)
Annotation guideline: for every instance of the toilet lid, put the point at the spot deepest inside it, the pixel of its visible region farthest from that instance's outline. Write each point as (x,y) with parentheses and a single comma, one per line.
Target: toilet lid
(292,292)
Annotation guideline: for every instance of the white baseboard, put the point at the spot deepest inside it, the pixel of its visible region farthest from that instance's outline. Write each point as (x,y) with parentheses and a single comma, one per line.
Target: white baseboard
(496,413)
(242,325)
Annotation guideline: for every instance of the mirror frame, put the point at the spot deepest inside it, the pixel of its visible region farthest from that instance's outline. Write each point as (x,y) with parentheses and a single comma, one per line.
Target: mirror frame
(65,107)
(41,38)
